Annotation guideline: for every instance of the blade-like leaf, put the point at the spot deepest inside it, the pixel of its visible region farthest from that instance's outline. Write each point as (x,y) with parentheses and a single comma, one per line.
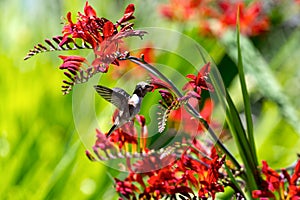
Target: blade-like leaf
(246,98)
(258,68)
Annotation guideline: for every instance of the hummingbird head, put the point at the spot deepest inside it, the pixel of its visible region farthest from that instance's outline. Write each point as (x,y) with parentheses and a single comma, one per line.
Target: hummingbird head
(142,88)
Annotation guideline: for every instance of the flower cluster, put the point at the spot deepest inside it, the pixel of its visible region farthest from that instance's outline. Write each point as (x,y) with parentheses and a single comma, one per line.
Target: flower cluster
(169,172)
(216,17)
(103,36)
(90,32)
(189,173)
(279,185)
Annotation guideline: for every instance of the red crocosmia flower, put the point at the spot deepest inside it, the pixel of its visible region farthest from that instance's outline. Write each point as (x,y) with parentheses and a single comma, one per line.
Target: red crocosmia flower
(126,188)
(122,137)
(182,10)
(210,184)
(99,34)
(253,21)
(215,18)
(274,180)
(294,186)
(199,82)
(275,184)
(156,176)
(168,97)
(153,162)
(184,175)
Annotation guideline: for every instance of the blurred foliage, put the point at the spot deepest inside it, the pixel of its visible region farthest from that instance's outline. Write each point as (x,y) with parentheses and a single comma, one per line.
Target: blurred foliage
(41,156)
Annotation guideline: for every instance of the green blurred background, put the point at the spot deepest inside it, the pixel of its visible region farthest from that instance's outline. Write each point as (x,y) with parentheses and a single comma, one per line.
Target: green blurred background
(41,155)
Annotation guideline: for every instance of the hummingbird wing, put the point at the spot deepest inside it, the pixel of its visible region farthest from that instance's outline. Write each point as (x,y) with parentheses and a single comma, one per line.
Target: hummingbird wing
(116,96)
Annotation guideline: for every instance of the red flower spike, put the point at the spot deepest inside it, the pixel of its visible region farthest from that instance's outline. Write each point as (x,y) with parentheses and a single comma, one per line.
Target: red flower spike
(276,183)
(90,32)
(210,184)
(182,10)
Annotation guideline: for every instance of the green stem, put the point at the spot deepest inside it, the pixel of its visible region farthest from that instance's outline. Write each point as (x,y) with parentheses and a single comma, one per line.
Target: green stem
(142,63)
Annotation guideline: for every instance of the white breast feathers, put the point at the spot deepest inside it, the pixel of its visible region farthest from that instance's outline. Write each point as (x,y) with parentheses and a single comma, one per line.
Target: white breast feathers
(134,100)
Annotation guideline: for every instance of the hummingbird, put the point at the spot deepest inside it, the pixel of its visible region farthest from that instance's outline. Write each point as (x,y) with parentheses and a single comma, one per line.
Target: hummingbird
(128,106)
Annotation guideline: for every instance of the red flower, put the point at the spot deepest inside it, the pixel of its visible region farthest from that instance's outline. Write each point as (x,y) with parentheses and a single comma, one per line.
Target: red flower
(216,17)
(274,185)
(274,180)
(192,171)
(210,182)
(97,33)
(182,10)
(253,21)
(199,82)
(294,186)
(262,194)
(126,188)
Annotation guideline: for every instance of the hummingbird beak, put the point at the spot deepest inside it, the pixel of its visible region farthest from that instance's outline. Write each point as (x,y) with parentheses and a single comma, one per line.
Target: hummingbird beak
(150,88)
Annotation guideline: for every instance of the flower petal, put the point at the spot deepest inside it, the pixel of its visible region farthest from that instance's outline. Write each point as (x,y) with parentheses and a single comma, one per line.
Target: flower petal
(128,14)
(108,29)
(89,10)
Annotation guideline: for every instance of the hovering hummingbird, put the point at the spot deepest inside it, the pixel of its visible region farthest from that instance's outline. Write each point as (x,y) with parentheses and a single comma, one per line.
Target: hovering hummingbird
(128,106)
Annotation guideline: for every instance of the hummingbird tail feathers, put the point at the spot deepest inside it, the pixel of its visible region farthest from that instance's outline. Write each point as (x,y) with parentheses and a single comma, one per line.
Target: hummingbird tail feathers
(111,130)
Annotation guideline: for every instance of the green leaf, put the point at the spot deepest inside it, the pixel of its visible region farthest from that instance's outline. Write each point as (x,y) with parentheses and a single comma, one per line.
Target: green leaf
(236,127)
(246,98)
(256,66)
